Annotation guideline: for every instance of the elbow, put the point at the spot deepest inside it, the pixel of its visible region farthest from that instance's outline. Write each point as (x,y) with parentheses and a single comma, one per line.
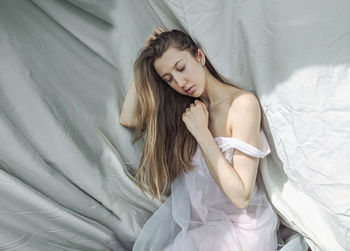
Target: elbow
(122,123)
(126,123)
(243,203)
(240,200)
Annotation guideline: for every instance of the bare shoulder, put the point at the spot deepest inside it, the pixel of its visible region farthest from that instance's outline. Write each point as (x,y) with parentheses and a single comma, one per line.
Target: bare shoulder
(245,113)
(245,100)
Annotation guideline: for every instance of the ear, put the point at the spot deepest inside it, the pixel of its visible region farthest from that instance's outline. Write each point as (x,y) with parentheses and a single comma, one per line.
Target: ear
(201,56)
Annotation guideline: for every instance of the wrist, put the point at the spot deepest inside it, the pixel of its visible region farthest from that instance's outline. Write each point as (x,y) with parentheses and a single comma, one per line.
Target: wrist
(202,134)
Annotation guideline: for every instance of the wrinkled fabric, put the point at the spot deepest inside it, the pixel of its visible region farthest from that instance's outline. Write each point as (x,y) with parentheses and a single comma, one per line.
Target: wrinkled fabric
(66,164)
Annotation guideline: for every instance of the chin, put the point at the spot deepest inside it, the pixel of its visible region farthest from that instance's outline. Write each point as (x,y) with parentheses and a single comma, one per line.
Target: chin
(197,94)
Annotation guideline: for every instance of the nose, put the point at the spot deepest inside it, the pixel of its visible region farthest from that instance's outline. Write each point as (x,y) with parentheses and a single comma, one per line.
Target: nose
(180,81)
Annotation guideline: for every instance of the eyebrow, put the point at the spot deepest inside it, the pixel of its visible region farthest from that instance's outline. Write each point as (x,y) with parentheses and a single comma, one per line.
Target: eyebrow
(173,67)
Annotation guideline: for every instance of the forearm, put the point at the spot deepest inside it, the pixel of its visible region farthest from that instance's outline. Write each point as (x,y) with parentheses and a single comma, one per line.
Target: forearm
(128,115)
(223,173)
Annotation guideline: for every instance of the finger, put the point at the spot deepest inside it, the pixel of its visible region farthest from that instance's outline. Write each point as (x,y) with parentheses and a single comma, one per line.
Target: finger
(159,30)
(154,31)
(150,37)
(204,107)
(163,29)
(198,103)
(149,40)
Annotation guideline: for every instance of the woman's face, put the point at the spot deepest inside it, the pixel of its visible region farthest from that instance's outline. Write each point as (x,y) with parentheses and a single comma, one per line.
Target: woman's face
(182,72)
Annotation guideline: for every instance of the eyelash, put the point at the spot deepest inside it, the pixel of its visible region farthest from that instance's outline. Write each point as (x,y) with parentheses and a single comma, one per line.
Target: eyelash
(181,70)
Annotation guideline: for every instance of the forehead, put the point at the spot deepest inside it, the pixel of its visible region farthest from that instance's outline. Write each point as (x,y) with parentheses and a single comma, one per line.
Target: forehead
(165,63)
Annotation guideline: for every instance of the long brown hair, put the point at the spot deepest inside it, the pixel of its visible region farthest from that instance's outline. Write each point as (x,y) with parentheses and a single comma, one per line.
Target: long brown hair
(169,146)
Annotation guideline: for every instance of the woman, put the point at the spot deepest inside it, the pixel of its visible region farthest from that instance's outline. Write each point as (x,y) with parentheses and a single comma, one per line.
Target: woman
(204,142)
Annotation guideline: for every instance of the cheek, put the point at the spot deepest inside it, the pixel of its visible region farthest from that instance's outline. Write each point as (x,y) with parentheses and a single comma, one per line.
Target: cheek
(196,73)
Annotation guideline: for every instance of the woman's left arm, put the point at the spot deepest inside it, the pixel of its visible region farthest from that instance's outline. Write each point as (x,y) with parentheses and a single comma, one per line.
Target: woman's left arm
(237,181)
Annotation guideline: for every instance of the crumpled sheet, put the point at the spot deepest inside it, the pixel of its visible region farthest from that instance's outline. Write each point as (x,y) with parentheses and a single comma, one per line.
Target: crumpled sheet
(67,166)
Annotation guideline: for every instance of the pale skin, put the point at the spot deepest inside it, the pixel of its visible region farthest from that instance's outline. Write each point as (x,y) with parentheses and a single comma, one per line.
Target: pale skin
(224,111)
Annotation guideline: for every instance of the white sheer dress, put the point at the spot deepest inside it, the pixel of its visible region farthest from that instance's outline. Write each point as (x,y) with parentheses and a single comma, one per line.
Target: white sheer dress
(198,215)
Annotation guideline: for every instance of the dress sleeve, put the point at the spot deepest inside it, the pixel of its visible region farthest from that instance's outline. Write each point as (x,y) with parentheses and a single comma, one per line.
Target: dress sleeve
(248,148)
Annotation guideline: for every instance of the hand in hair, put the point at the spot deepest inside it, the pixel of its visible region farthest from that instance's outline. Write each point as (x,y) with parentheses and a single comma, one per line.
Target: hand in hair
(196,118)
(154,34)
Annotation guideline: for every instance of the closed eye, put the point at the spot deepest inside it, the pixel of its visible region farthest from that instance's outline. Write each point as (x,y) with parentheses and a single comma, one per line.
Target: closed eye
(181,70)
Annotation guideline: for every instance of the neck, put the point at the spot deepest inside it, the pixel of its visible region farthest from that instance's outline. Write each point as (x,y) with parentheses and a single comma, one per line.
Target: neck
(215,91)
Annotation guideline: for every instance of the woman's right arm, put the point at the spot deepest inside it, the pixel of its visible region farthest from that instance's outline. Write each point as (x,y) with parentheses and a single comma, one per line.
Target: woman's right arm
(128,115)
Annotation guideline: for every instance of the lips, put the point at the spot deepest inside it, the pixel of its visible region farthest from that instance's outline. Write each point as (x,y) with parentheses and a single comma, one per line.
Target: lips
(188,90)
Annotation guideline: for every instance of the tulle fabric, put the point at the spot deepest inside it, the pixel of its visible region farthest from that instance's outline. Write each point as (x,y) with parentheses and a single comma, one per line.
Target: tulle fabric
(198,215)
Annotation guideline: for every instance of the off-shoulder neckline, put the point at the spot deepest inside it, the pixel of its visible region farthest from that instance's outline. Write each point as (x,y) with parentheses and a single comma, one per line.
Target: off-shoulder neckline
(237,139)
(226,137)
